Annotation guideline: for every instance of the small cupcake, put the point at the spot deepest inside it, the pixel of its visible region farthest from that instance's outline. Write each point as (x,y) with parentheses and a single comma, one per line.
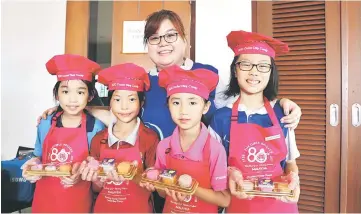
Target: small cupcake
(152,174)
(123,167)
(247,185)
(50,168)
(65,168)
(37,167)
(108,164)
(185,181)
(93,164)
(168,176)
(265,185)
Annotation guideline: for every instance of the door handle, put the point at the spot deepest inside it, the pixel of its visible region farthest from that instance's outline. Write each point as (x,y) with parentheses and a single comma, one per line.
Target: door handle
(356,115)
(333,114)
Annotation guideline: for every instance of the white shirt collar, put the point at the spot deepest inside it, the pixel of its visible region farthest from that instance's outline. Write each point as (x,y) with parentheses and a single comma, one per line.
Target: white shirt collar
(188,64)
(131,139)
(242,107)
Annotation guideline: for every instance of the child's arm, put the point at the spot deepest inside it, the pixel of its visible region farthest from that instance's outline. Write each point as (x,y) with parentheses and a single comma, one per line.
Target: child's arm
(102,113)
(220,198)
(149,158)
(218,194)
(291,166)
(97,186)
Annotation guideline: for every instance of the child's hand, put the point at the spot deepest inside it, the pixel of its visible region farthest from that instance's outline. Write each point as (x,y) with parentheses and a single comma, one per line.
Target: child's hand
(46,113)
(26,166)
(69,181)
(147,186)
(113,176)
(294,198)
(176,196)
(293,185)
(89,172)
(235,178)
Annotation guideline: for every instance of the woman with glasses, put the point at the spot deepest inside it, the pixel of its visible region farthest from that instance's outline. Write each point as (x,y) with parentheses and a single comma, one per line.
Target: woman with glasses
(259,146)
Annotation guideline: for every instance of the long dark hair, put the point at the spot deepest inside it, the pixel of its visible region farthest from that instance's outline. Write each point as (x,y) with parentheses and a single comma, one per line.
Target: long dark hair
(95,101)
(271,90)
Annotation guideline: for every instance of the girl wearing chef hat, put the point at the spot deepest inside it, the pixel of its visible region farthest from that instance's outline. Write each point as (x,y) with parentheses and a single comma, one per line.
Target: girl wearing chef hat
(190,149)
(250,128)
(65,137)
(126,139)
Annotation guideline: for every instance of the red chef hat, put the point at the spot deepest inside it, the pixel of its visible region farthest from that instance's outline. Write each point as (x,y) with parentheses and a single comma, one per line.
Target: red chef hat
(243,42)
(127,76)
(199,81)
(72,67)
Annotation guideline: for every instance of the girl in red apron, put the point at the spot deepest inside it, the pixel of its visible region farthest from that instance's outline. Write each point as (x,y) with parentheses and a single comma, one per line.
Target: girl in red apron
(126,139)
(64,138)
(190,149)
(257,144)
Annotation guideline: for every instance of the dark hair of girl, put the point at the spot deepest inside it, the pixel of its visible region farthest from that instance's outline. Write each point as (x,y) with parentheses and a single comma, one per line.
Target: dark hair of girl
(271,90)
(96,101)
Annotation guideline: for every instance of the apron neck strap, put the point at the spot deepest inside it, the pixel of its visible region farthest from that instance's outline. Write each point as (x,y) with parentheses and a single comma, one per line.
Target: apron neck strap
(271,113)
(58,114)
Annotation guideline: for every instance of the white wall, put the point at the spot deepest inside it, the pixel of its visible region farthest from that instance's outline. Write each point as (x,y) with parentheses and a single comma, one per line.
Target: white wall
(214,20)
(32,32)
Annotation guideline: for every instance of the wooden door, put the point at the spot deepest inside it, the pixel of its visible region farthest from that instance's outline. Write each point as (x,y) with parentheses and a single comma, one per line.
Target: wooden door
(310,75)
(139,10)
(77,27)
(351,101)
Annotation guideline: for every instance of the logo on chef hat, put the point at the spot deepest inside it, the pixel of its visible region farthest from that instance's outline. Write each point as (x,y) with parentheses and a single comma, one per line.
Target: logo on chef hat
(61,153)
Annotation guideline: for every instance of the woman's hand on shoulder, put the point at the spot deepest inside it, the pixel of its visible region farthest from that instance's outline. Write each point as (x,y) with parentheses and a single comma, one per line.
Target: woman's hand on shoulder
(293,113)
(46,113)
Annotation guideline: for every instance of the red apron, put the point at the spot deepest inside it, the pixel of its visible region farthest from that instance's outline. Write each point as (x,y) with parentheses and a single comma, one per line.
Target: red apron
(200,172)
(126,196)
(63,145)
(257,152)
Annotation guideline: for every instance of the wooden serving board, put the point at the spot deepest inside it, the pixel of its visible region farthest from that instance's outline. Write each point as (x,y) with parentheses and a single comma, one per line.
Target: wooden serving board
(158,184)
(47,173)
(276,192)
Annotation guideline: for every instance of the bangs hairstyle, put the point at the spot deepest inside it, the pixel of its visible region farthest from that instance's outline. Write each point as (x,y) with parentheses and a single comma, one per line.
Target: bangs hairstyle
(155,19)
(271,90)
(96,101)
(141,97)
